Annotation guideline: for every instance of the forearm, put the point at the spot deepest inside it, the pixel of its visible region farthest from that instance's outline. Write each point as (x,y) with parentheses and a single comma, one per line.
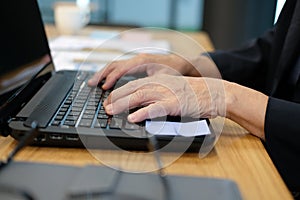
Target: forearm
(246,107)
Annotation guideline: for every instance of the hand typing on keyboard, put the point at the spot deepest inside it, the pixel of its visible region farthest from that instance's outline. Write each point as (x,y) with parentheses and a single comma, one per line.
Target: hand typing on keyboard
(163,95)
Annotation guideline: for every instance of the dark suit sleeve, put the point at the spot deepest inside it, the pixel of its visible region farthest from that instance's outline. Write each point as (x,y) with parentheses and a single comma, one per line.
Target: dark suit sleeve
(282,129)
(247,65)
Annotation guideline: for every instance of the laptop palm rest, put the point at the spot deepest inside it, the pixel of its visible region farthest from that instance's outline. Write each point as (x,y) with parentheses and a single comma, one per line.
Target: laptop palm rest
(49,98)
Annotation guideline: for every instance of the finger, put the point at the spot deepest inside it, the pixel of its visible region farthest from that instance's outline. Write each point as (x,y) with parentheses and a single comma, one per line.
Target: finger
(112,78)
(116,70)
(149,112)
(112,74)
(124,90)
(102,74)
(96,78)
(138,98)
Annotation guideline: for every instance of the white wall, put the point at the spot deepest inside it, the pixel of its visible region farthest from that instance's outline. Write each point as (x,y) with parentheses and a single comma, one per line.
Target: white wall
(279,6)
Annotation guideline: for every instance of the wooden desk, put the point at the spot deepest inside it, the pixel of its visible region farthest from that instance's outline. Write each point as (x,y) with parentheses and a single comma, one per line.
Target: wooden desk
(237,155)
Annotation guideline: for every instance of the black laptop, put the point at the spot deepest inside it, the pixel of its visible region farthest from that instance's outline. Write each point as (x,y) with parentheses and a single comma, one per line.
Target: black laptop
(69,113)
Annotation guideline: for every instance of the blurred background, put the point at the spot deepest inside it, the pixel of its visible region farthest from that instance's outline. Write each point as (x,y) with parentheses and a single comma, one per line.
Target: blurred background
(229,23)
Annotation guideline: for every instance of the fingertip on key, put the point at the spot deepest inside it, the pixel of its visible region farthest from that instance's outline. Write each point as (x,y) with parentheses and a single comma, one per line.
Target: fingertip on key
(131,118)
(92,82)
(108,109)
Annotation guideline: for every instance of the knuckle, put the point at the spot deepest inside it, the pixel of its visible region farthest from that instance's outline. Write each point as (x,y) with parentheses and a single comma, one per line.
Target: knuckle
(119,72)
(139,96)
(131,85)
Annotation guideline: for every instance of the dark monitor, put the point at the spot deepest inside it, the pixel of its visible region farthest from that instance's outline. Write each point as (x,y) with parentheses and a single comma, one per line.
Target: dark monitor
(25,60)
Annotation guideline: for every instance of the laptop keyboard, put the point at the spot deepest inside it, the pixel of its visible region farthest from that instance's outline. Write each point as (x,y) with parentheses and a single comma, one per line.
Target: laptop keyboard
(83,107)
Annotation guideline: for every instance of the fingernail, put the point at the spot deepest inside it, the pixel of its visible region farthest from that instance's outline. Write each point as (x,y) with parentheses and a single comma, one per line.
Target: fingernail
(131,118)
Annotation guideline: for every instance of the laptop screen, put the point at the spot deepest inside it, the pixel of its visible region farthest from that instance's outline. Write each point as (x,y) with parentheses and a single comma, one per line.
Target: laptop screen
(24,47)
(25,59)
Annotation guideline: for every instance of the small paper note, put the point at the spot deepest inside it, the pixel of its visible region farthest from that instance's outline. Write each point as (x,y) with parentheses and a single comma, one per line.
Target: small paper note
(187,129)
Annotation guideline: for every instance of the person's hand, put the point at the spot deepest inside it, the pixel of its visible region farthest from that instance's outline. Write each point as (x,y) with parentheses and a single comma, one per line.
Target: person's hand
(151,64)
(163,95)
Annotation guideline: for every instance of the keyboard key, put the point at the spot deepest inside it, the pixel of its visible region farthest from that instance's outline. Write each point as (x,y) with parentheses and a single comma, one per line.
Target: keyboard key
(102,116)
(89,112)
(101,123)
(68,102)
(116,123)
(92,104)
(81,98)
(72,118)
(55,123)
(59,117)
(77,105)
(79,101)
(89,107)
(102,112)
(74,113)
(63,109)
(87,116)
(70,122)
(76,109)
(131,126)
(66,106)
(85,123)
(61,113)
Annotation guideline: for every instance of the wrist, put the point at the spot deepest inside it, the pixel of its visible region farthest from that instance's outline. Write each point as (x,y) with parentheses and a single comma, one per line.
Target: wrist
(230,98)
(192,67)
(204,66)
(246,106)
(183,65)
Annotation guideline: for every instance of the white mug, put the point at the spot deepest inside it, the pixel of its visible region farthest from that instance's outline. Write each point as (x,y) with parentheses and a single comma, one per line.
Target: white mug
(69,18)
